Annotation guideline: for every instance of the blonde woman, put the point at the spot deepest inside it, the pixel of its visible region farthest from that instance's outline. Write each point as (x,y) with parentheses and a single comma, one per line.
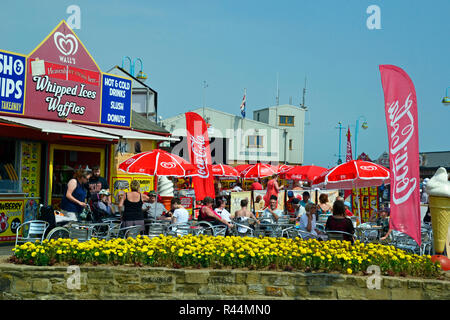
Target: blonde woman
(130,206)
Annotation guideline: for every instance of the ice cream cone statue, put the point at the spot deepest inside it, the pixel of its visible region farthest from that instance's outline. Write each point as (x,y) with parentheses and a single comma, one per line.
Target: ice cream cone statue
(438,189)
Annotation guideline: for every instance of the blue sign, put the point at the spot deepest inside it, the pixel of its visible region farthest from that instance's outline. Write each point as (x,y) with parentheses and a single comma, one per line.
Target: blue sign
(12,82)
(116,101)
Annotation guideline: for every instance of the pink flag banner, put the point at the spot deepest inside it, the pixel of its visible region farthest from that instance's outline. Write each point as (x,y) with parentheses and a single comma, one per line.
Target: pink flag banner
(402,126)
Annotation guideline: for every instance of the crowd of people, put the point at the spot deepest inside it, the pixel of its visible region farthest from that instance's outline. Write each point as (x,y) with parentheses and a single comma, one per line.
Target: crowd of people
(135,207)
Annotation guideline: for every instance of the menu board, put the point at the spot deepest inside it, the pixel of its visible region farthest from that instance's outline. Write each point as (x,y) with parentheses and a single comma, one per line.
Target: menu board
(11,217)
(30,168)
(367,199)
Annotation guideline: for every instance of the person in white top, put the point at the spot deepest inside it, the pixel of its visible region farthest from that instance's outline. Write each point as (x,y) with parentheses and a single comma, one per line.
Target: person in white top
(180,214)
(237,187)
(221,203)
(308,220)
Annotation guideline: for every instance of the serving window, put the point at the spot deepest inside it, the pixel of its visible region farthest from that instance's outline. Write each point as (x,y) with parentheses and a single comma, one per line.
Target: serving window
(64,161)
(9,167)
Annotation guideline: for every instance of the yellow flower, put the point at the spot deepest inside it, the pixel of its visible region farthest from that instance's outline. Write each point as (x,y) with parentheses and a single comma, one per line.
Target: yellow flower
(349,271)
(33,254)
(59,251)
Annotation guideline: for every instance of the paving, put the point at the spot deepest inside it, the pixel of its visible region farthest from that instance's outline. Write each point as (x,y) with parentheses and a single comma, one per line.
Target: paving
(5,249)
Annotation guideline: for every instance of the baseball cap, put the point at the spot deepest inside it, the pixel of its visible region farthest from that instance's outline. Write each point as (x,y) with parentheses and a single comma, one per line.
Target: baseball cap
(104,192)
(346,203)
(290,194)
(151,194)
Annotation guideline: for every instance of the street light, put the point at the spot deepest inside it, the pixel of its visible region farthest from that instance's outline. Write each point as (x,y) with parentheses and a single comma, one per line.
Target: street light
(446,99)
(141,75)
(364,126)
(340,129)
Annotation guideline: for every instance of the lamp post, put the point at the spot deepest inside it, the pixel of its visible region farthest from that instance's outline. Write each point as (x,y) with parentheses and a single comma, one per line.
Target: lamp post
(446,99)
(141,75)
(205,85)
(364,126)
(340,129)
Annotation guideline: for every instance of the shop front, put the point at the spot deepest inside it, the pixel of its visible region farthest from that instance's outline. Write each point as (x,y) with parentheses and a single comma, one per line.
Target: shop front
(60,113)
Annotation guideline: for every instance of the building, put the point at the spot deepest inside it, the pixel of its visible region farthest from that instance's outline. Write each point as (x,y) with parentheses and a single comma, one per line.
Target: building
(291,121)
(276,138)
(144,99)
(429,162)
(60,112)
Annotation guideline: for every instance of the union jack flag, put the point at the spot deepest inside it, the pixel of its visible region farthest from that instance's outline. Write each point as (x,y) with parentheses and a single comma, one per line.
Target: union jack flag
(243,106)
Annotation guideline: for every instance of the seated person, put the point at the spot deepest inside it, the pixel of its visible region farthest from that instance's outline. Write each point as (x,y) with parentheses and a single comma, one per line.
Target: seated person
(104,203)
(339,222)
(243,214)
(271,214)
(153,209)
(180,214)
(383,221)
(208,214)
(299,210)
(308,220)
(221,203)
(289,203)
(324,207)
(348,206)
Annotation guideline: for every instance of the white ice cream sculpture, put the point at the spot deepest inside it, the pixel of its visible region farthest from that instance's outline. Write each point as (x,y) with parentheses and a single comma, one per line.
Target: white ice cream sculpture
(438,189)
(165,187)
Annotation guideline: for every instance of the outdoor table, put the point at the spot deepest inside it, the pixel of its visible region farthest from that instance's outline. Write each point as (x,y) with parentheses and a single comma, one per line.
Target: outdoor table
(362,230)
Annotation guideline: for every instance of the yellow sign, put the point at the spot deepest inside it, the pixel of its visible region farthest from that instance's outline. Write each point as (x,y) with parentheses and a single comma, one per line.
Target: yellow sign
(121,185)
(30,167)
(11,217)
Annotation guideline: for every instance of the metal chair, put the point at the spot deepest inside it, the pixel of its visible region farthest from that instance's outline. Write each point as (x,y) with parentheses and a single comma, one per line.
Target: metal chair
(36,231)
(178,229)
(154,229)
(338,235)
(239,227)
(208,228)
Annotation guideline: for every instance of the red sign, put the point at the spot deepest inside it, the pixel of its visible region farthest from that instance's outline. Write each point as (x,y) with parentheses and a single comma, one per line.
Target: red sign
(200,155)
(67,84)
(402,125)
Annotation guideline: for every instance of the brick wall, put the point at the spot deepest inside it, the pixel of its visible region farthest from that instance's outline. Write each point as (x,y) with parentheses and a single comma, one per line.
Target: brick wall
(100,282)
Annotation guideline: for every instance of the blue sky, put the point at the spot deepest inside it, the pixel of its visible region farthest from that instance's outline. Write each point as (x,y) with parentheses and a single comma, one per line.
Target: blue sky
(243,44)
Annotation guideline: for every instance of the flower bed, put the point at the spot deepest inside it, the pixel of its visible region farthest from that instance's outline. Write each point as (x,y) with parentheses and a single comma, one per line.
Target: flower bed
(236,252)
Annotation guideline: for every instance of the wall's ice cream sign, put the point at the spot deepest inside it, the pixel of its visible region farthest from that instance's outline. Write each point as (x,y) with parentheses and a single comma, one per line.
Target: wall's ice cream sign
(60,80)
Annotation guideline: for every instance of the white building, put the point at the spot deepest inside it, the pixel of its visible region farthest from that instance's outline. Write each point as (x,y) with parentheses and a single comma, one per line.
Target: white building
(277,137)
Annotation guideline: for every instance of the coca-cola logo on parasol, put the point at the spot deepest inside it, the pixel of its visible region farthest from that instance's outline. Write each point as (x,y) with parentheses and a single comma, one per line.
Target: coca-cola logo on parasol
(67,44)
(168,165)
(368,168)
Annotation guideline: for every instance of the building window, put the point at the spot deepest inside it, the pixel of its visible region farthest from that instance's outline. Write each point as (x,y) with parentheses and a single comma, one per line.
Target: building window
(255,142)
(290,144)
(257,116)
(286,121)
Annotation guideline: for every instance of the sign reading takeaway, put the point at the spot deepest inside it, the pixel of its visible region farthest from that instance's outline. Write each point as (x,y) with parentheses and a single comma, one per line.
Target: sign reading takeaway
(62,82)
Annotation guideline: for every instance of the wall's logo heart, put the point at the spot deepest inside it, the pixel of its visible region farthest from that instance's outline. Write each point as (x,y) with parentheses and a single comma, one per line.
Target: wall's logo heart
(168,165)
(368,168)
(67,44)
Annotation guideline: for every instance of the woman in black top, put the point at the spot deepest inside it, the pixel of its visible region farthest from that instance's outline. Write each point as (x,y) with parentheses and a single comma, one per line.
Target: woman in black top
(339,222)
(130,206)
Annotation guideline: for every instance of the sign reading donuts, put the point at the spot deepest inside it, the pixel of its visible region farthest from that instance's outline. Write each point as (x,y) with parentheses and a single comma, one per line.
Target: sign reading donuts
(11,217)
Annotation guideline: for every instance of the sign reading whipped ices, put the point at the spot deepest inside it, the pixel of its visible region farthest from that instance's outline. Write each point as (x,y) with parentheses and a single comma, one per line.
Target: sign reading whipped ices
(58,91)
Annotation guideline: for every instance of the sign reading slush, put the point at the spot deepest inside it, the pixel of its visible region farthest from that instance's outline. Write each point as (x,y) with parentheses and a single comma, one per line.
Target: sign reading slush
(12,82)
(116,101)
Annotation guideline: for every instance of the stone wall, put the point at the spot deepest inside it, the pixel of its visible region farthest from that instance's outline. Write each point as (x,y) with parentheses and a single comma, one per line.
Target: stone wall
(100,282)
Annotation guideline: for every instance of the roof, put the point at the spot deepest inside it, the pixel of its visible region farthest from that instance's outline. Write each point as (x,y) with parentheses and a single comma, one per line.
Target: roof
(139,122)
(137,84)
(280,106)
(435,159)
(199,111)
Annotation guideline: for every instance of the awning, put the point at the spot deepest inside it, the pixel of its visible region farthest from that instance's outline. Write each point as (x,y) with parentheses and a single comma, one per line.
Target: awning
(128,133)
(58,127)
